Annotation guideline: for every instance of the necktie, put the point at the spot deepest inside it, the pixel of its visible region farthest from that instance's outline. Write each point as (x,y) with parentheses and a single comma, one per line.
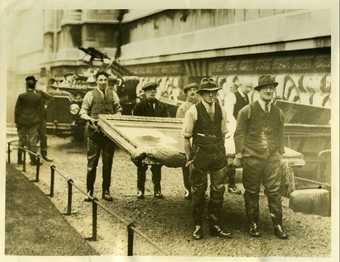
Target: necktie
(267,107)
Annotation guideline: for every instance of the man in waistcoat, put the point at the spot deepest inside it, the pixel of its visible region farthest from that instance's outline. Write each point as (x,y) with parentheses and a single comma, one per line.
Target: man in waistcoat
(152,107)
(204,128)
(101,100)
(27,117)
(240,100)
(191,99)
(259,143)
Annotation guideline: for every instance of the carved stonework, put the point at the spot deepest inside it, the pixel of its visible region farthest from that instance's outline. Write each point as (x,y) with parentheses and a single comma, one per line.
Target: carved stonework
(302,63)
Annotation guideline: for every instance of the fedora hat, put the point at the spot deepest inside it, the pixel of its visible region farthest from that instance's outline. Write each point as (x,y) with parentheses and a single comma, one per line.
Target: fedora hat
(189,86)
(149,86)
(265,81)
(208,84)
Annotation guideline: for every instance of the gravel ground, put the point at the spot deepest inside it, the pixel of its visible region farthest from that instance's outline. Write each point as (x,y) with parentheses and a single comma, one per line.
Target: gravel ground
(168,222)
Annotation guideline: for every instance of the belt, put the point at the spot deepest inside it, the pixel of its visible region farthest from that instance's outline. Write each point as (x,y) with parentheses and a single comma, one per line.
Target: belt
(204,135)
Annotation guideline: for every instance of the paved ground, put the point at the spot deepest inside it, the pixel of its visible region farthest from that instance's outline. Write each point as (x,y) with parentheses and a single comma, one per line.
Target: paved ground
(33,223)
(168,222)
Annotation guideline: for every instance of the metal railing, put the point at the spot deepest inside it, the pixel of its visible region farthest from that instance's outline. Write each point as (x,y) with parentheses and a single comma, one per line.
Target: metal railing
(131,229)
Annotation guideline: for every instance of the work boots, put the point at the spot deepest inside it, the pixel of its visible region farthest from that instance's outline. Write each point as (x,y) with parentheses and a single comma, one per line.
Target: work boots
(197,234)
(44,156)
(280,232)
(254,229)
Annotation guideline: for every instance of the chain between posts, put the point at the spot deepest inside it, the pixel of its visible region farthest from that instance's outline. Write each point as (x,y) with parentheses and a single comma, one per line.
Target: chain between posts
(131,229)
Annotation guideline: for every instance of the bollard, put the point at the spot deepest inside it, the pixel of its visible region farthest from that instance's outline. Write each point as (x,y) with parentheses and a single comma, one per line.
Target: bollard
(94,220)
(9,152)
(52,181)
(37,171)
(69,197)
(24,160)
(130,239)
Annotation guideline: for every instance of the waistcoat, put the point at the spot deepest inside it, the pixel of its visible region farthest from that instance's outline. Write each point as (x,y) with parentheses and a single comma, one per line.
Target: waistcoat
(263,136)
(210,129)
(100,104)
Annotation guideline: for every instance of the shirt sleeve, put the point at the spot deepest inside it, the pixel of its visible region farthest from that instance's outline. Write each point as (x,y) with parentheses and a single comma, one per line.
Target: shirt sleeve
(224,127)
(190,118)
(85,106)
(18,109)
(180,112)
(241,130)
(116,103)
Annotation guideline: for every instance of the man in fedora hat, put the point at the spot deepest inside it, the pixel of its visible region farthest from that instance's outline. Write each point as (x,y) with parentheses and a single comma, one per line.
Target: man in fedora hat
(28,116)
(204,128)
(191,98)
(259,143)
(152,107)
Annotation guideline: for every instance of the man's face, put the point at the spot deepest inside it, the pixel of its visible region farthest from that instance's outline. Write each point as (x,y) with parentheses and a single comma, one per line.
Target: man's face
(191,95)
(209,96)
(102,82)
(267,93)
(150,94)
(247,88)
(30,84)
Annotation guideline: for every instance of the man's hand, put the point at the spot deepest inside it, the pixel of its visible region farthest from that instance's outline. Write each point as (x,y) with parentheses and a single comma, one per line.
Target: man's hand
(237,162)
(93,123)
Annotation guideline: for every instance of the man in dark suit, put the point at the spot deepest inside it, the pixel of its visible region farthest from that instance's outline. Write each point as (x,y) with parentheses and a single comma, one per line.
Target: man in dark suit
(152,107)
(259,142)
(28,116)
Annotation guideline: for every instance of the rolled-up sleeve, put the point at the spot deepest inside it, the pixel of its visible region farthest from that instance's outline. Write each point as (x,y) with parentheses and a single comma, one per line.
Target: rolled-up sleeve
(116,103)
(85,106)
(189,120)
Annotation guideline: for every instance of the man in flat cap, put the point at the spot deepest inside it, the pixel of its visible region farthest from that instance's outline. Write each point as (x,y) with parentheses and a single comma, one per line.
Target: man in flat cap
(191,99)
(204,128)
(259,143)
(152,107)
(101,100)
(28,116)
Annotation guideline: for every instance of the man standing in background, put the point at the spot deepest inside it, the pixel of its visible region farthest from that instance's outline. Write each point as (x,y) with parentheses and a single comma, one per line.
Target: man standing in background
(152,107)
(28,117)
(191,99)
(233,104)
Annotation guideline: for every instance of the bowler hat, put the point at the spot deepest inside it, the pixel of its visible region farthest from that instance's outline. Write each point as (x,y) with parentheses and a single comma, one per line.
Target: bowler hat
(189,86)
(208,84)
(265,81)
(32,78)
(149,86)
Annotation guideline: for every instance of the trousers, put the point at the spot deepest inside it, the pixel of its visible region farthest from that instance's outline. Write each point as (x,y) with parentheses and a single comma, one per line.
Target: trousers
(95,147)
(29,137)
(156,177)
(262,171)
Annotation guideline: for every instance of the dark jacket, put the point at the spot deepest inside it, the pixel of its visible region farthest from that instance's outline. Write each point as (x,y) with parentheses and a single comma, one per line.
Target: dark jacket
(153,108)
(240,103)
(29,109)
(259,134)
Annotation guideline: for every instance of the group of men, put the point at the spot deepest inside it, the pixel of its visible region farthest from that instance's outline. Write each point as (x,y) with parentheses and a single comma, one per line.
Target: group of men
(30,119)
(258,146)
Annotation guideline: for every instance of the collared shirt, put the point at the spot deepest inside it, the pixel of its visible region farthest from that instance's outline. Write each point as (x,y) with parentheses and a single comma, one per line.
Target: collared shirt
(183,109)
(190,119)
(87,103)
(263,105)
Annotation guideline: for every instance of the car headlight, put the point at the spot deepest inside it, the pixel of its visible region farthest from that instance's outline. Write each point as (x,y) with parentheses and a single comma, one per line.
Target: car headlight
(74,109)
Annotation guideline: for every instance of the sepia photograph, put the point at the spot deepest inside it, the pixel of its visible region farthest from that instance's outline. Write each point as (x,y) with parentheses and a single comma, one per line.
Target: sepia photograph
(190,132)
